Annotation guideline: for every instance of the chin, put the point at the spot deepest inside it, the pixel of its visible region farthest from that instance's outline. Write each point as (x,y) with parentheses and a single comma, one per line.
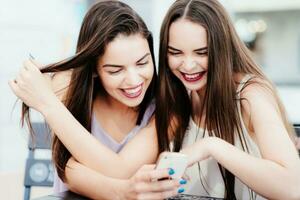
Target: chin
(133,102)
(194,87)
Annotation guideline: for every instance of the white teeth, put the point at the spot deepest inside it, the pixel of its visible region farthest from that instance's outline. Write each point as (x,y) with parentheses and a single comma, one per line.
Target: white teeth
(192,76)
(132,91)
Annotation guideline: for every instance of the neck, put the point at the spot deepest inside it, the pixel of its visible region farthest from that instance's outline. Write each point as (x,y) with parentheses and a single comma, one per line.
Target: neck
(198,104)
(113,104)
(201,93)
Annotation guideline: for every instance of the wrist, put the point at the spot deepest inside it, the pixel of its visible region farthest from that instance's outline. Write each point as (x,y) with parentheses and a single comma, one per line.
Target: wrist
(188,152)
(121,189)
(47,108)
(209,144)
(200,150)
(212,145)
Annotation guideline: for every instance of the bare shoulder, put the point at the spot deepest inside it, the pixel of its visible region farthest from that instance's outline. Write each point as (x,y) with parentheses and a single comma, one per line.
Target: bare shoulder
(257,100)
(60,82)
(258,91)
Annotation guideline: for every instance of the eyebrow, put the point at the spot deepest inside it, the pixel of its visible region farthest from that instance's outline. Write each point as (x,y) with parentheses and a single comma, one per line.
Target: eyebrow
(147,54)
(200,49)
(119,66)
(172,48)
(111,65)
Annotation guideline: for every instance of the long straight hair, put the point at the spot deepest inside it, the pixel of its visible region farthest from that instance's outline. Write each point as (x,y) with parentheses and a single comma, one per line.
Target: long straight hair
(102,23)
(227,55)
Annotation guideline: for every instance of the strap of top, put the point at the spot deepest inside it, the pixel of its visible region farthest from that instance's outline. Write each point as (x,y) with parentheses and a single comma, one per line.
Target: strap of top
(252,147)
(244,80)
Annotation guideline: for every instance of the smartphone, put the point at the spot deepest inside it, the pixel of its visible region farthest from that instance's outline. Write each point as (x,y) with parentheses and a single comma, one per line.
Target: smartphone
(177,161)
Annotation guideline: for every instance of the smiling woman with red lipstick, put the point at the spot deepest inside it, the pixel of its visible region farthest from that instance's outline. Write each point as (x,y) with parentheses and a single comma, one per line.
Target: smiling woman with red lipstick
(216,105)
(188,58)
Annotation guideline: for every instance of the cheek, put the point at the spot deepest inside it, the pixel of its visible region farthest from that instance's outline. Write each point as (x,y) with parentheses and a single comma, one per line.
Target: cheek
(148,72)
(174,62)
(203,62)
(109,82)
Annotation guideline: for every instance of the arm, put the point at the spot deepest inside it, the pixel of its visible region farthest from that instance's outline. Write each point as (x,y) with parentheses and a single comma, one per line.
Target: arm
(94,185)
(279,165)
(87,182)
(31,87)
(36,92)
(142,149)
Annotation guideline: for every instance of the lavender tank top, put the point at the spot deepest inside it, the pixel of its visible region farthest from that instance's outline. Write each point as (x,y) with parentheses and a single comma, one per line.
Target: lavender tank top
(108,141)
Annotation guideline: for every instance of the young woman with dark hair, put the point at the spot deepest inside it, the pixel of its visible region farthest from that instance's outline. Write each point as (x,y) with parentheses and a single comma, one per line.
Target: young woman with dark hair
(106,89)
(217,106)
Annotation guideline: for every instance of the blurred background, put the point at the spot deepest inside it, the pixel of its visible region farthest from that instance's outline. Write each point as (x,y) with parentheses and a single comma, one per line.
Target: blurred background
(48,30)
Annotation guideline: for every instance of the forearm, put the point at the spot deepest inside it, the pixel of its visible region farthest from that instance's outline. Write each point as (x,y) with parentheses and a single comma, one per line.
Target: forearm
(91,152)
(92,184)
(266,177)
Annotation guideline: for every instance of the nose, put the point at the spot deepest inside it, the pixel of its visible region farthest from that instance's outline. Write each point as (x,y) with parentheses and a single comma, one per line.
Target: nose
(132,77)
(189,64)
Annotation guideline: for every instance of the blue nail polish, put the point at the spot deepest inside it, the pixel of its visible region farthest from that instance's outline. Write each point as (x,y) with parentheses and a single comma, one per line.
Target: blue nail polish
(181,190)
(171,171)
(182,181)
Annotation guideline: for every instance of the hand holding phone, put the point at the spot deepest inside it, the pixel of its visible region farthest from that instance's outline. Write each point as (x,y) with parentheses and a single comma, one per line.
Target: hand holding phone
(177,161)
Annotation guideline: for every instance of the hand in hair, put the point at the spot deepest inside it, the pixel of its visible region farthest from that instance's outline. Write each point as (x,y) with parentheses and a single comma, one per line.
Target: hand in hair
(32,87)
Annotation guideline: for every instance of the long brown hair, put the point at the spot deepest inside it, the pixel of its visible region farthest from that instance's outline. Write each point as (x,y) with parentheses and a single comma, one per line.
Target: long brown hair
(227,55)
(104,21)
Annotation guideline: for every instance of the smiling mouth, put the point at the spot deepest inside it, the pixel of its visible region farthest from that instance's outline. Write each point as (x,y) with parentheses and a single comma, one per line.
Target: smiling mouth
(193,77)
(133,92)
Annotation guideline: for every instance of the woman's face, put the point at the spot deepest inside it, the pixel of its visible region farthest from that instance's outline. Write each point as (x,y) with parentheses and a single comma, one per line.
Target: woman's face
(126,69)
(187,53)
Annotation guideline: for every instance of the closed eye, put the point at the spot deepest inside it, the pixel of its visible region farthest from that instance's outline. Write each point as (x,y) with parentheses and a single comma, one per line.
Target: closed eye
(143,63)
(174,52)
(201,53)
(113,69)
(114,72)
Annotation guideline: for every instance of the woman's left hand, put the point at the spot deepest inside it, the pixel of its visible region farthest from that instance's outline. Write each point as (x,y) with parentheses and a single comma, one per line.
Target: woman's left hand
(198,151)
(32,87)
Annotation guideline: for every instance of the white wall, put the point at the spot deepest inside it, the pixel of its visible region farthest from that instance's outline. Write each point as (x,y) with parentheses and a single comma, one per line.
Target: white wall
(48,30)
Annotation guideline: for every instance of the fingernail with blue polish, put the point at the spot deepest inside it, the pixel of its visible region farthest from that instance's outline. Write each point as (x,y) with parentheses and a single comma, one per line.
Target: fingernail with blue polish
(182,181)
(181,190)
(171,171)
